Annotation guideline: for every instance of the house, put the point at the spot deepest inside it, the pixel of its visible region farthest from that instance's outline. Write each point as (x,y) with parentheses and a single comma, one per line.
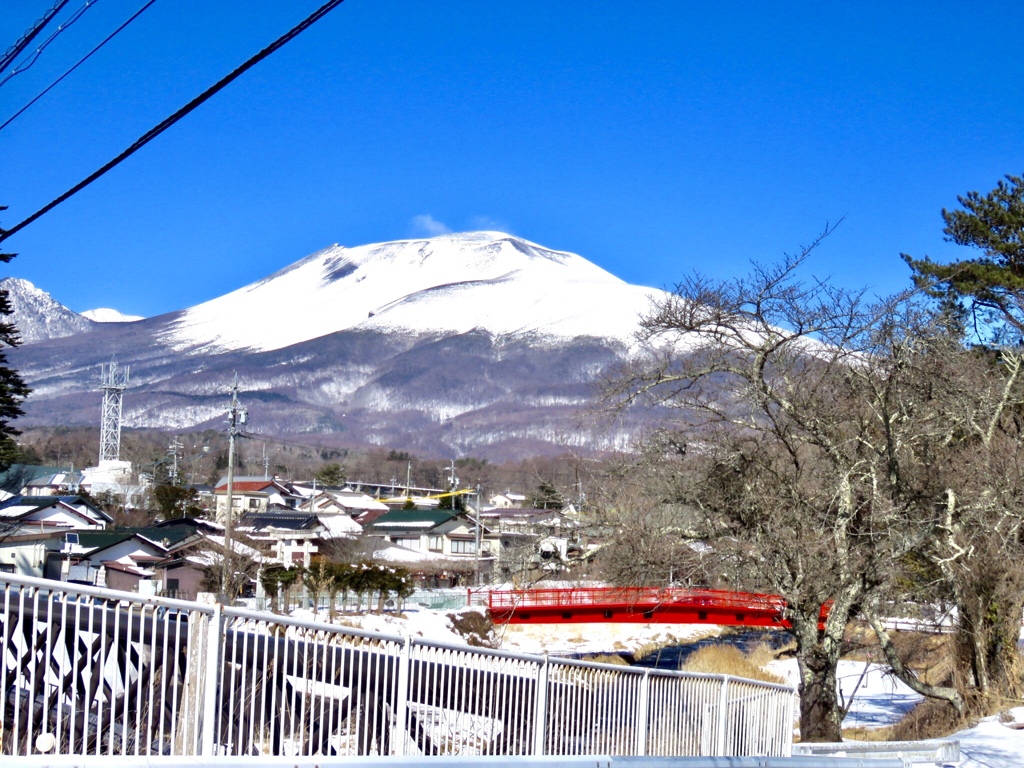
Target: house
(17,477)
(118,559)
(183,572)
(55,484)
(293,539)
(42,513)
(536,522)
(181,531)
(347,502)
(26,553)
(252,495)
(507,500)
(444,532)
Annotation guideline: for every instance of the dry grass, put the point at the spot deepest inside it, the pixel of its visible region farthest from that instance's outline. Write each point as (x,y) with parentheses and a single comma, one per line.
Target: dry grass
(606,658)
(868,734)
(729,660)
(928,720)
(475,627)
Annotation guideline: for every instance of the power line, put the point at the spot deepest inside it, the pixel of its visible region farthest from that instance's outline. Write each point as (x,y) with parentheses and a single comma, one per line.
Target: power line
(31,59)
(152,133)
(81,61)
(12,53)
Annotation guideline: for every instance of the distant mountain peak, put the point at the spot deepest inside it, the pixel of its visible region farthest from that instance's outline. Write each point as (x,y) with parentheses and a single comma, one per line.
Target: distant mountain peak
(452,283)
(38,316)
(108,315)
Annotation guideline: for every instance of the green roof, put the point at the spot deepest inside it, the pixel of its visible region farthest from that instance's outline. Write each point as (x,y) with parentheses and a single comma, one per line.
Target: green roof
(168,536)
(101,539)
(17,476)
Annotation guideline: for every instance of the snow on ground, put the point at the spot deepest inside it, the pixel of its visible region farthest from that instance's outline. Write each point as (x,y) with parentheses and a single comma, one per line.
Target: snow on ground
(433,626)
(879,699)
(569,639)
(993,744)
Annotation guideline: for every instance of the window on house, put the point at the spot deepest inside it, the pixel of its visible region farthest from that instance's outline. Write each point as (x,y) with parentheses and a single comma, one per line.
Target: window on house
(460,547)
(435,544)
(254,503)
(172,585)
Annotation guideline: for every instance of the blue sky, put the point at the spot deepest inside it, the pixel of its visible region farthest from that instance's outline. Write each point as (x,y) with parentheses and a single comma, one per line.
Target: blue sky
(652,138)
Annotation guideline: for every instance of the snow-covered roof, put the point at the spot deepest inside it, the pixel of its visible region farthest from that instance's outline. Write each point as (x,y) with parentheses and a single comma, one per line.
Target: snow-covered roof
(358,501)
(211,558)
(339,526)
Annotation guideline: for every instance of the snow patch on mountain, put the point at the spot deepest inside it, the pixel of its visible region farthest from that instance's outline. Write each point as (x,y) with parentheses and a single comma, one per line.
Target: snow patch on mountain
(452,283)
(108,315)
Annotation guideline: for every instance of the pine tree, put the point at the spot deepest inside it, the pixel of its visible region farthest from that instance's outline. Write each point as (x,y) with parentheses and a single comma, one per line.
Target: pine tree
(989,289)
(13,389)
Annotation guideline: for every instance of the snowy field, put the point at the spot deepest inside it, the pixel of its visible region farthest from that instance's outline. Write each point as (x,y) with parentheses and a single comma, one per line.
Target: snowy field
(878,698)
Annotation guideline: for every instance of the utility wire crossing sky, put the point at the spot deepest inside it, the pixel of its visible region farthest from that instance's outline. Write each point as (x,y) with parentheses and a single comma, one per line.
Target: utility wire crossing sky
(652,139)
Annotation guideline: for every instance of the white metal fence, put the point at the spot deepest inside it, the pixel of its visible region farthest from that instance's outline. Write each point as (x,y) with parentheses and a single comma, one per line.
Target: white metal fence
(87,671)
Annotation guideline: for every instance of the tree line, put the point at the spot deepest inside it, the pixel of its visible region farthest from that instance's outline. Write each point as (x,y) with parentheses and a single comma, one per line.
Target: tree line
(368,582)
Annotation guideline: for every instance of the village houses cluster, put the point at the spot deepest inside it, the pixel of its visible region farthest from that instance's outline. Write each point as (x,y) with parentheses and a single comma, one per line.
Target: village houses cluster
(51,527)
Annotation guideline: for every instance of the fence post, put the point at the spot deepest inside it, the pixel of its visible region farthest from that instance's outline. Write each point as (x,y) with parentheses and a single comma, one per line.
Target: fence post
(201,656)
(399,731)
(185,719)
(787,726)
(643,707)
(214,633)
(723,710)
(540,709)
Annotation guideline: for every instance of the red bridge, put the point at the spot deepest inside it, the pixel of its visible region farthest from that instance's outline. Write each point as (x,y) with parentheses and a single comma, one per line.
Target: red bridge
(639,604)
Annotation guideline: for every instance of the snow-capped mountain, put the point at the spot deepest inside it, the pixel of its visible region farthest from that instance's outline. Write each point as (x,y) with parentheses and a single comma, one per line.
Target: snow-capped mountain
(109,315)
(448,284)
(38,315)
(476,343)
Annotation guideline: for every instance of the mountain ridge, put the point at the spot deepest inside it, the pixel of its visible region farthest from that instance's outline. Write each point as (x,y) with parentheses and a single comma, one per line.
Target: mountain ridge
(478,342)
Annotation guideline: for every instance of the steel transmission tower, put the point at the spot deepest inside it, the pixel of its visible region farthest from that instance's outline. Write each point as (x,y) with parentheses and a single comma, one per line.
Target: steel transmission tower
(113,381)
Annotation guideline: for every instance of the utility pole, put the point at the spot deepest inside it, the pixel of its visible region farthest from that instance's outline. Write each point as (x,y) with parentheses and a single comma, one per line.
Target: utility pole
(266,463)
(237,416)
(478,534)
(172,451)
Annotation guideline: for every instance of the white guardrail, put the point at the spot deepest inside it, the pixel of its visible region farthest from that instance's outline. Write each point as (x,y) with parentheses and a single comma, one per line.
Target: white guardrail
(93,672)
(939,752)
(593,761)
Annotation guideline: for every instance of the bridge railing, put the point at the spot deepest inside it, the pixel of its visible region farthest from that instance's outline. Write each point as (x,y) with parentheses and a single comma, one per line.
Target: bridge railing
(628,596)
(93,672)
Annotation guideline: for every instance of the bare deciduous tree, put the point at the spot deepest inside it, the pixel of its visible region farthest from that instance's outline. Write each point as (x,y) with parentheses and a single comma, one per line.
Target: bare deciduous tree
(799,443)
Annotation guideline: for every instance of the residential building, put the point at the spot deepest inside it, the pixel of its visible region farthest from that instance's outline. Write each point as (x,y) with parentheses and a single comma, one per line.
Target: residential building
(252,495)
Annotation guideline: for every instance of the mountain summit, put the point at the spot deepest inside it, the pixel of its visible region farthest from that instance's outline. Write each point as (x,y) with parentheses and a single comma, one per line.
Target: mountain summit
(477,343)
(452,283)
(38,315)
